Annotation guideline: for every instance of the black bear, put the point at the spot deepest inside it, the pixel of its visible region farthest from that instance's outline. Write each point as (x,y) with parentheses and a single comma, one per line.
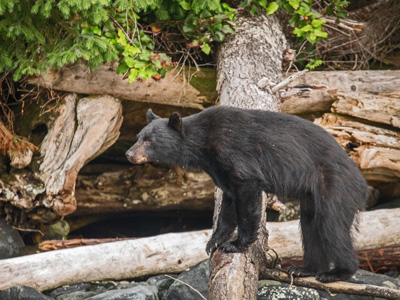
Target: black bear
(247,152)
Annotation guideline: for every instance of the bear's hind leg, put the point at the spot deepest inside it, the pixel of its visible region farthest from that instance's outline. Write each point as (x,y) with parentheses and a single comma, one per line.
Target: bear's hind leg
(248,210)
(339,247)
(226,224)
(315,259)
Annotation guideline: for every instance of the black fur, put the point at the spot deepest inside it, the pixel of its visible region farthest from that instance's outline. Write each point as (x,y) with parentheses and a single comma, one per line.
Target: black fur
(247,152)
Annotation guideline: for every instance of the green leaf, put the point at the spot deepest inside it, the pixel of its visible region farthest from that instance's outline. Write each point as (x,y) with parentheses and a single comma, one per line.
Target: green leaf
(263,3)
(320,33)
(206,49)
(187,28)
(228,29)
(130,62)
(157,63)
(219,36)
(132,75)
(317,23)
(306,28)
(96,30)
(272,7)
(145,55)
(185,5)
(122,68)
(140,63)
(294,4)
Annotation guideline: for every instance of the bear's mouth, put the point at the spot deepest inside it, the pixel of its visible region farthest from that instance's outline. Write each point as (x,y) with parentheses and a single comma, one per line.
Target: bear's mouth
(137,160)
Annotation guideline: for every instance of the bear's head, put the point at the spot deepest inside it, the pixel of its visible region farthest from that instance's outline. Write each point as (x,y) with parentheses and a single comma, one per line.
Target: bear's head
(159,142)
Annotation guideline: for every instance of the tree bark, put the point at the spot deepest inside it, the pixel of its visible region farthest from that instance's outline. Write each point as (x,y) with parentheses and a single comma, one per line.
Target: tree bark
(177,251)
(254,53)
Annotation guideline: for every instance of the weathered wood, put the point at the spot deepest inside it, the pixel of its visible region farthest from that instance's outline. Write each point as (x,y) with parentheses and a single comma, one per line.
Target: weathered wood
(376,82)
(67,147)
(377,108)
(78,131)
(307,99)
(376,150)
(171,253)
(372,260)
(174,89)
(143,188)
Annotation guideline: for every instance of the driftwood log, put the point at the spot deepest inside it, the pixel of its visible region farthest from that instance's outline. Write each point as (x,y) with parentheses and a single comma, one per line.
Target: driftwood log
(169,253)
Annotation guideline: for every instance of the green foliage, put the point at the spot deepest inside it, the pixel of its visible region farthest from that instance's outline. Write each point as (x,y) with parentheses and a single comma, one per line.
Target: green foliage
(42,34)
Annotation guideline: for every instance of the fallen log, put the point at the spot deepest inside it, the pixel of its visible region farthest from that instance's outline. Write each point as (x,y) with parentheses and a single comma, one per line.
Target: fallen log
(376,82)
(372,260)
(172,252)
(376,150)
(174,89)
(143,188)
(200,92)
(384,109)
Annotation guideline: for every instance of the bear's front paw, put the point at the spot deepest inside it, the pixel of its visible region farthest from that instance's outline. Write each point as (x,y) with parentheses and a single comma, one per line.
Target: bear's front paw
(211,246)
(233,247)
(299,271)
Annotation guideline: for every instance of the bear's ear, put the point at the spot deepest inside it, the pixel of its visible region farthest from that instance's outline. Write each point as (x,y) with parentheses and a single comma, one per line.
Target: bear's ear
(175,121)
(150,116)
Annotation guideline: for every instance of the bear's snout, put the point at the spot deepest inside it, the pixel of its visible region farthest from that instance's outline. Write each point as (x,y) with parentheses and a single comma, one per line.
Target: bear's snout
(137,154)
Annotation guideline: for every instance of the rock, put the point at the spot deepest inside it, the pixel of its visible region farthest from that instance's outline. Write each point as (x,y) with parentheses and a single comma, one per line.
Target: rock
(141,291)
(162,283)
(22,292)
(57,231)
(10,241)
(275,290)
(196,277)
(364,277)
(79,291)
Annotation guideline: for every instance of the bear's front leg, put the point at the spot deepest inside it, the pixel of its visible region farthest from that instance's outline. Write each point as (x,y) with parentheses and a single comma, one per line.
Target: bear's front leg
(248,205)
(225,226)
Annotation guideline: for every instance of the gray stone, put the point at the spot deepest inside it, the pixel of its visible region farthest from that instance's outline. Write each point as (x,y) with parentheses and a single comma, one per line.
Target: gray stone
(80,287)
(277,292)
(10,241)
(21,292)
(141,291)
(196,277)
(162,283)
(78,295)
(364,277)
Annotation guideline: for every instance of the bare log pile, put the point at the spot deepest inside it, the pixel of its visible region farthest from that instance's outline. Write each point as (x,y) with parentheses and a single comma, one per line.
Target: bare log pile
(364,117)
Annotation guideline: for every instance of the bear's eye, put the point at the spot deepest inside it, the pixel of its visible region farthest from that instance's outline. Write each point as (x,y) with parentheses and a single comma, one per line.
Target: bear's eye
(149,141)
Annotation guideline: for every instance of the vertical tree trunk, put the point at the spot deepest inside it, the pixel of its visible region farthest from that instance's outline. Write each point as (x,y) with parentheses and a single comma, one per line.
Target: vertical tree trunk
(254,53)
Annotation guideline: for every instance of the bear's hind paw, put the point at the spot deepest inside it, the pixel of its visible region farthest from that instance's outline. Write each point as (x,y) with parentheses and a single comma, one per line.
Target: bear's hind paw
(300,271)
